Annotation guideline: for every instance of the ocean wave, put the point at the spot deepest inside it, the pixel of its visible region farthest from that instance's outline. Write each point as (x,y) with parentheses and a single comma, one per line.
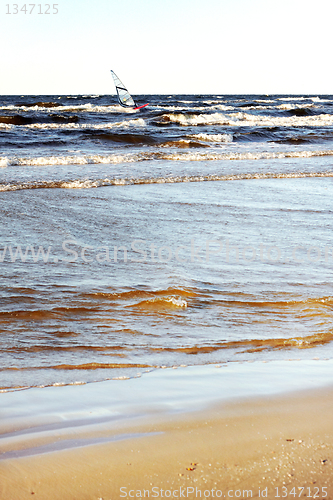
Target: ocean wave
(182,143)
(137,122)
(190,119)
(156,155)
(60,348)
(69,160)
(257,107)
(5,126)
(177,108)
(244,119)
(304,98)
(125,181)
(218,105)
(265,155)
(161,304)
(300,116)
(88,107)
(40,104)
(213,137)
(309,305)
(257,345)
(294,106)
(284,136)
(126,138)
(295,98)
(269,101)
(310,138)
(71,124)
(15,120)
(140,294)
(85,366)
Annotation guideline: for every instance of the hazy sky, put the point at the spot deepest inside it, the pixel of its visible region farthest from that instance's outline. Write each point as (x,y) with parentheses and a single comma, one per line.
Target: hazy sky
(167,46)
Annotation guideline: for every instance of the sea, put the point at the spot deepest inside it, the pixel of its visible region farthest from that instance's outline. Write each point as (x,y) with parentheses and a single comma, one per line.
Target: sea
(195,231)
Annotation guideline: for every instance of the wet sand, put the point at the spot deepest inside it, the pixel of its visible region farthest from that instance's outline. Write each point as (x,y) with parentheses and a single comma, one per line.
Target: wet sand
(276,443)
(282,442)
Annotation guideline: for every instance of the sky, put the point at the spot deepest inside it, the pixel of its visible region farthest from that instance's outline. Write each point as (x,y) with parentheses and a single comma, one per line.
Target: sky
(167,47)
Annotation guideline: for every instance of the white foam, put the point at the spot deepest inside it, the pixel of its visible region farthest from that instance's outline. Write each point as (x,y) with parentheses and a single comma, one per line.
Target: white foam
(180,109)
(223,107)
(137,122)
(294,106)
(314,99)
(218,105)
(265,100)
(319,99)
(171,108)
(245,119)
(293,98)
(10,107)
(79,184)
(153,155)
(264,155)
(174,301)
(177,301)
(213,137)
(112,108)
(70,160)
(190,119)
(90,183)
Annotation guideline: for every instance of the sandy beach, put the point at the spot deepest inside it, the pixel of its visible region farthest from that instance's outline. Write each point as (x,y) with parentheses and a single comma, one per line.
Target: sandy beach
(272,446)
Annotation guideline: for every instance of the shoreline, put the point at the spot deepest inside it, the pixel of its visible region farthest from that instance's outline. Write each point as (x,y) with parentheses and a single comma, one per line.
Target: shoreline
(210,440)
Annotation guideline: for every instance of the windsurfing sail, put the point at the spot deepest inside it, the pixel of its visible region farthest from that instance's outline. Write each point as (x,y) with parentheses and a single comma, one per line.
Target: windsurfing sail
(124,97)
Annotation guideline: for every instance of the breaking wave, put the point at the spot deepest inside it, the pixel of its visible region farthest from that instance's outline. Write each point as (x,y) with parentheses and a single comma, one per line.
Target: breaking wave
(157,155)
(47,106)
(125,181)
(244,119)
(68,160)
(296,117)
(213,137)
(161,304)
(72,125)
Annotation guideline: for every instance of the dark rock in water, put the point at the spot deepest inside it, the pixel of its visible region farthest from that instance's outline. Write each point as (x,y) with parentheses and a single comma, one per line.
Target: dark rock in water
(15,120)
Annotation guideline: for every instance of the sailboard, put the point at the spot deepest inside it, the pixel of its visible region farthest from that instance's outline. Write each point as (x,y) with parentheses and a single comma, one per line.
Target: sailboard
(124,97)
